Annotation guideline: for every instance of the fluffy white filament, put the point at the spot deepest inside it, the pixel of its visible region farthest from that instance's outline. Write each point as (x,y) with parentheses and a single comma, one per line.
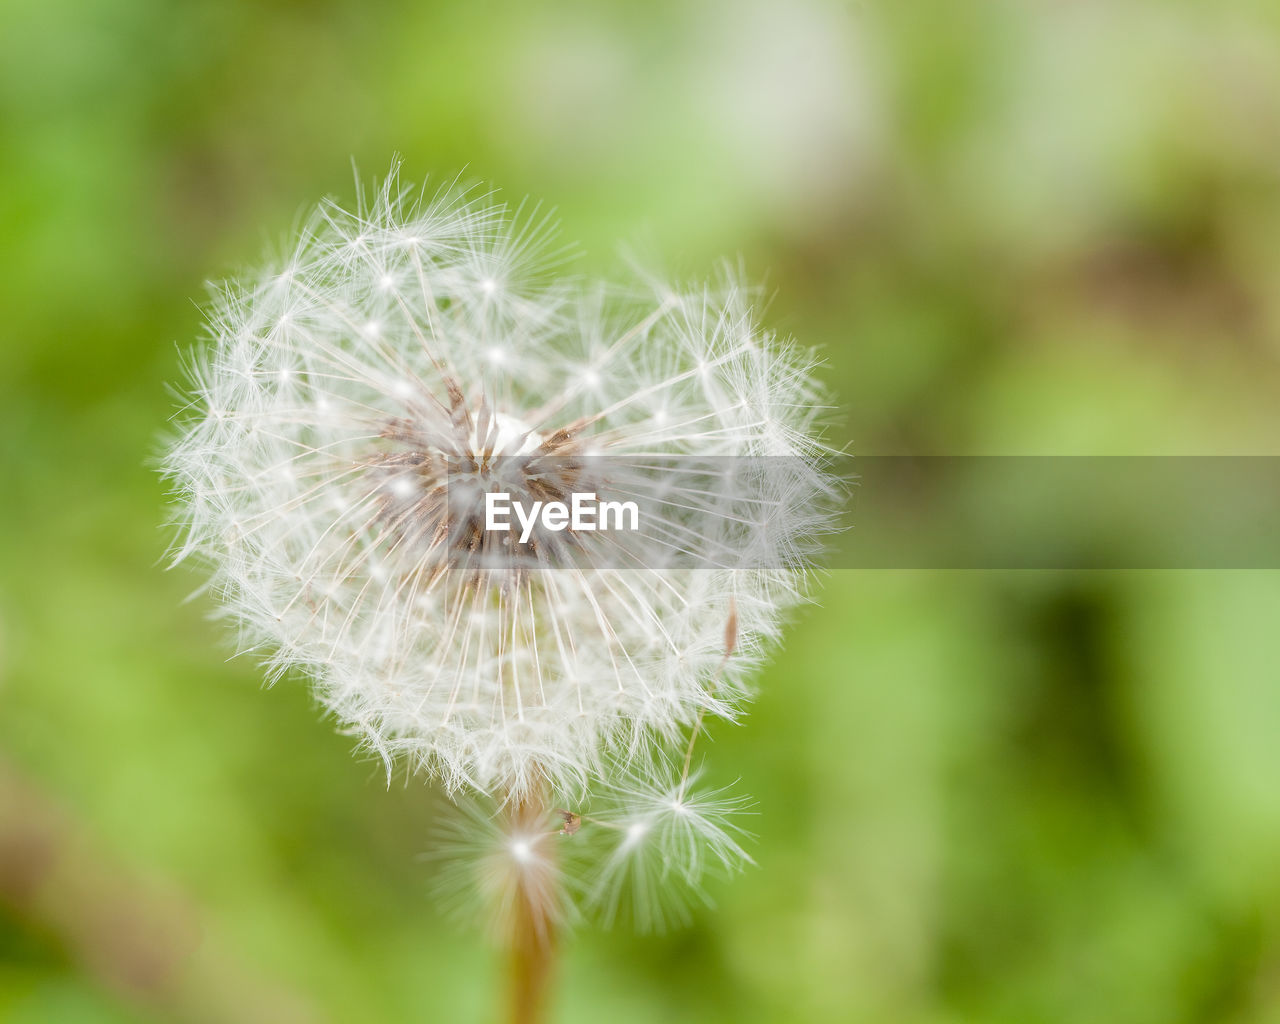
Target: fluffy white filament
(421,329)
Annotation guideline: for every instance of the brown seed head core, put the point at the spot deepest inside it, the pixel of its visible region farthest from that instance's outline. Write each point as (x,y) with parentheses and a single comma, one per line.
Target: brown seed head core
(429,482)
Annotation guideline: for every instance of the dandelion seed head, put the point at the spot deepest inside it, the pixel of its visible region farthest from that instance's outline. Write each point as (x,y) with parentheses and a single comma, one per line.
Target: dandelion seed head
(414,354)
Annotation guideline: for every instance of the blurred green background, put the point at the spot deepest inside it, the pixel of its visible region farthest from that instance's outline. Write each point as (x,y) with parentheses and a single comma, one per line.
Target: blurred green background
(1020,227)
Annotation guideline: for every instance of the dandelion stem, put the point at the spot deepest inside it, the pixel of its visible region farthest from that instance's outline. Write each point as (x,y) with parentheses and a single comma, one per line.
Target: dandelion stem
(533,936)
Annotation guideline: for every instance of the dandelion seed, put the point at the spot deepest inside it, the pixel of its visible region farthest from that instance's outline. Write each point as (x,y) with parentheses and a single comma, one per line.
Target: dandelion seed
(672,834)
(489,861)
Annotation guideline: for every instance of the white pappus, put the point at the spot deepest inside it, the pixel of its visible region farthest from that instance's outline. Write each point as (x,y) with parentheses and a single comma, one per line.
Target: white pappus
(420,350)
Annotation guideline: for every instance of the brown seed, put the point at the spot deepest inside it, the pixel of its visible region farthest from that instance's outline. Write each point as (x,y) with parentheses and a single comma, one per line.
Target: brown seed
(731,629)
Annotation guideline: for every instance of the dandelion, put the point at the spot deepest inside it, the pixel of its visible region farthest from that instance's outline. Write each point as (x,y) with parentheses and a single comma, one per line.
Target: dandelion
(360,401)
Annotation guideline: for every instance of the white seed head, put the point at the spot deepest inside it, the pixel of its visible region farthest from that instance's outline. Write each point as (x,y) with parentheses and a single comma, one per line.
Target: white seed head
(414,354)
